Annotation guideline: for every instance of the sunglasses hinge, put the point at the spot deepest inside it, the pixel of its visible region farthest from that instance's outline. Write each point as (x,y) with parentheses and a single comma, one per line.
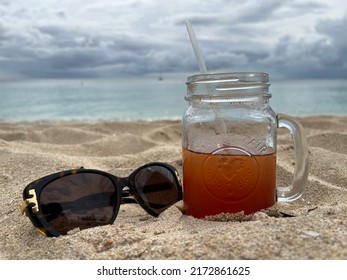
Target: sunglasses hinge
(31,200)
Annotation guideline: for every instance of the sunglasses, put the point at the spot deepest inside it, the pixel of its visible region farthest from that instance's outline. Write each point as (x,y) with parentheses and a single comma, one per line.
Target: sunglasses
(85,198)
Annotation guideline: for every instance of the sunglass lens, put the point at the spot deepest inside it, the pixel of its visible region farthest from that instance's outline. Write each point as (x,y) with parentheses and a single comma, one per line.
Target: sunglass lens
(157,188)
(81,200)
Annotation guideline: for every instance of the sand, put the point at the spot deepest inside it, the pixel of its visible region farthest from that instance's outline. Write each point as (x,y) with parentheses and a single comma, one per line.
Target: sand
(313,227)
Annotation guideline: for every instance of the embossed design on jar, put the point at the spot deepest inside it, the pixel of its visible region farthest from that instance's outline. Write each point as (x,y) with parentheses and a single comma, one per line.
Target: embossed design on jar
(231,174)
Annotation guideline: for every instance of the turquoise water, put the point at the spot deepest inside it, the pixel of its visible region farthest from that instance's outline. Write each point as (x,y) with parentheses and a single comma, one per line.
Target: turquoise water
(92,100)
(310,97)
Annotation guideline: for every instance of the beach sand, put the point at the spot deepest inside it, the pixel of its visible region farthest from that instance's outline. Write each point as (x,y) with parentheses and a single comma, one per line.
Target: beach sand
(313,227)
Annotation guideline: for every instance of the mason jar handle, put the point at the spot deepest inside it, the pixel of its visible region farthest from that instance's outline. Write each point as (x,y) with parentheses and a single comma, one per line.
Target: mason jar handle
(295,190)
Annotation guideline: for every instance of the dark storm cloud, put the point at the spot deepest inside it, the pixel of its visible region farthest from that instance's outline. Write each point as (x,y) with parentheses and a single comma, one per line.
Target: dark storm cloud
(291,38)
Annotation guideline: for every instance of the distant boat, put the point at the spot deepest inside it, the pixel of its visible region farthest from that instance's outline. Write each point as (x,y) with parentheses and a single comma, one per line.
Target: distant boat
(160,78)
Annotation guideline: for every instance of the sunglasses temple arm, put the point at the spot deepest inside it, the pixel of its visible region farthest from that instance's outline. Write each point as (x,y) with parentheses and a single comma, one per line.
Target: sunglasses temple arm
(52,210)
(127,197)
(126,200)
(88,202)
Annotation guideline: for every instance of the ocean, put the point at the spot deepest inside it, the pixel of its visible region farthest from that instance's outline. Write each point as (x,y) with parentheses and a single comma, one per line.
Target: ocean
(148,99)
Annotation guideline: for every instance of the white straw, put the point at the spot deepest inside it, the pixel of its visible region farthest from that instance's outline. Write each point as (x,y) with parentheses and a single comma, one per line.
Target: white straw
(221,127)
(196,48)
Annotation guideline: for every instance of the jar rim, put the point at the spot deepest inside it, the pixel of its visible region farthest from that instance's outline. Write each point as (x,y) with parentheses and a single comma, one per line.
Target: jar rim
(229,98)
(234,85)
(233,77)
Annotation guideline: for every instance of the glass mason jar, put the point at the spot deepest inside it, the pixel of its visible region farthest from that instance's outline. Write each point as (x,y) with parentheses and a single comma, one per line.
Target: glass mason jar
(229,146)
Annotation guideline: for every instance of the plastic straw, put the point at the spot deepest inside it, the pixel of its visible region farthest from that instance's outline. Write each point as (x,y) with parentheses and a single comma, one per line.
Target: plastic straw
(221,127)
(196,48)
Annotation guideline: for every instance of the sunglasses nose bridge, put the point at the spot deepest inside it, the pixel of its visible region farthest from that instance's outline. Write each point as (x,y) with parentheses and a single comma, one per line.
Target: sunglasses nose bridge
(122,182)
(125,186)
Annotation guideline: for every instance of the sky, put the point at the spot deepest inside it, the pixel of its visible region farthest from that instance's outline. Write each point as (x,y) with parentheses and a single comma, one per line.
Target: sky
(289,39)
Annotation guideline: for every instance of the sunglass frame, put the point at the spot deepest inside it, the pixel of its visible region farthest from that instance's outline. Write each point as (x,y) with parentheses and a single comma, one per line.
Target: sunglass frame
(31,193)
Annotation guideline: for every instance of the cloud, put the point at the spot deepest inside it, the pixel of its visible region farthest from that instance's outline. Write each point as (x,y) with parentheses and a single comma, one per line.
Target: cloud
(291,38)
(336,39)
(324,57)
(258,11)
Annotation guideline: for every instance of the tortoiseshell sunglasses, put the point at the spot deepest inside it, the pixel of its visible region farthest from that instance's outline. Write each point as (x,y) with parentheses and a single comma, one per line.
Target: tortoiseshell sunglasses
(85,198)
